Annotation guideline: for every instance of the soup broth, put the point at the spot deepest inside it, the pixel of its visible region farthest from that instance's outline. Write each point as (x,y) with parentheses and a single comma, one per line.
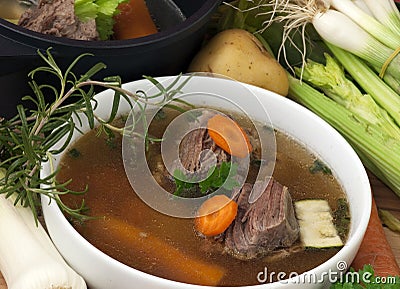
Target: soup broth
(138,236)
(12,10)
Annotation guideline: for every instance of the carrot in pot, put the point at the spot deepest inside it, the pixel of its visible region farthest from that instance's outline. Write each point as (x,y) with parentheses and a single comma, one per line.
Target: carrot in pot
(133,21)
(215,215)
(183,267)
(229,136)
(375,249)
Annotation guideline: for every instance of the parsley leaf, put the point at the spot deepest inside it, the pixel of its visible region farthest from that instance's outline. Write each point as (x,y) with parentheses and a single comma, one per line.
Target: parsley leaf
(219,177)
(182,183)
(320,166)
(222,176)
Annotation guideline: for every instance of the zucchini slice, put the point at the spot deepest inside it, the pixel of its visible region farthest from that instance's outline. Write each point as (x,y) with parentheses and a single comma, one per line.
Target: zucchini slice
(316,224)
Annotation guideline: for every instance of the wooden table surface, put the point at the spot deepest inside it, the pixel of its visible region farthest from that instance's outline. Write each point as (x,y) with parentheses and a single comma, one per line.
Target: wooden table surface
(385,199)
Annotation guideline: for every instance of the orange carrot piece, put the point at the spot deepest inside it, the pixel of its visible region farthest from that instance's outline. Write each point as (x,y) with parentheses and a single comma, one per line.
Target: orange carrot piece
(182,267)
(133,21)
(215,215)
(375,249)
(229,136)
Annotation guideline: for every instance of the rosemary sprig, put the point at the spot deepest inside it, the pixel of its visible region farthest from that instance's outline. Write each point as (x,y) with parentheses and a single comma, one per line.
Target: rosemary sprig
(26,140)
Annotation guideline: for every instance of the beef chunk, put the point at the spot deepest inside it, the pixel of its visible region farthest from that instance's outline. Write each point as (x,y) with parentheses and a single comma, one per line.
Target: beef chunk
(196,150)
(263,226)
(57,17)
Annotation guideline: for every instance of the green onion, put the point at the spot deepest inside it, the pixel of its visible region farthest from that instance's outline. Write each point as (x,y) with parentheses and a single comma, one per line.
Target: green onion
(361,4)
(386,12)
(339,30)
(363,35)
(28,257)
(368,23)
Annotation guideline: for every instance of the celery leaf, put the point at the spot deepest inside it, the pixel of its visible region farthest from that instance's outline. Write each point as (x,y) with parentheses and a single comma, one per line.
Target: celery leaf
(105,21)
(101,10)
(86,9)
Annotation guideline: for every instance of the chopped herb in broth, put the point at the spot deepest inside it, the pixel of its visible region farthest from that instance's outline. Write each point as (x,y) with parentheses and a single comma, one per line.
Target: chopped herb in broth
(342,218)
(74,153)
(135,234)
(320,166)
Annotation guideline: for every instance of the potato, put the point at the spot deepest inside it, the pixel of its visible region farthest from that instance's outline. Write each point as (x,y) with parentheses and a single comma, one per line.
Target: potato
(238,54)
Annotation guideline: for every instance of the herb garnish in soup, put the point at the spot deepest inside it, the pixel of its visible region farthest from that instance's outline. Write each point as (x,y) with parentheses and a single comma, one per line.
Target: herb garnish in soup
(298,220)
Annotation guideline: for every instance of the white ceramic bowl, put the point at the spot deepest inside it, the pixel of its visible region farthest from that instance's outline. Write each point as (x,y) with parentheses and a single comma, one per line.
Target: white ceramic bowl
(102,272)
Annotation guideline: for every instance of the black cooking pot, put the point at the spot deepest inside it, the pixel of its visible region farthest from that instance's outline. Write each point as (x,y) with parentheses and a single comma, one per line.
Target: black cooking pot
(182,26)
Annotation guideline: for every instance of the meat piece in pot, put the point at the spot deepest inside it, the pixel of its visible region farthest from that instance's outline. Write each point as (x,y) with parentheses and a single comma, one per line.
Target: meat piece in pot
(57,17)
(263,226)
(197,149)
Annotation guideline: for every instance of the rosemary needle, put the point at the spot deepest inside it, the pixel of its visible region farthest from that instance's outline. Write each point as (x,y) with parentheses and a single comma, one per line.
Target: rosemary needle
(27,139)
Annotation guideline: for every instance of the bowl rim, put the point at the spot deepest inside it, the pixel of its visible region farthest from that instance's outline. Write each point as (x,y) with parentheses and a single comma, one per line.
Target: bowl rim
(183,28)
(353,240)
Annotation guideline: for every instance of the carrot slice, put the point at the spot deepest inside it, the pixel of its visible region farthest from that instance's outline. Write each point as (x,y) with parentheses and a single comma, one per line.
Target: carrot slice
(229,136)
(133,21)
(375,249)
(215,215)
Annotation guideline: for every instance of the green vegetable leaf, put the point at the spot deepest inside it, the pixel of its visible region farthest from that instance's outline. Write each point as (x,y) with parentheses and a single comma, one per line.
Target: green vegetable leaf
(105,21)
(104,25)
(182,183)
(222,176)
(109,7)
(86,9)
(101,10)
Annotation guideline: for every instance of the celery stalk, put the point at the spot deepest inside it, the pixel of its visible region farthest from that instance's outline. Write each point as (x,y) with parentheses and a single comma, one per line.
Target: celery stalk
(331,79)
(393,82)
(381,152)
(389,220)
(369,81)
